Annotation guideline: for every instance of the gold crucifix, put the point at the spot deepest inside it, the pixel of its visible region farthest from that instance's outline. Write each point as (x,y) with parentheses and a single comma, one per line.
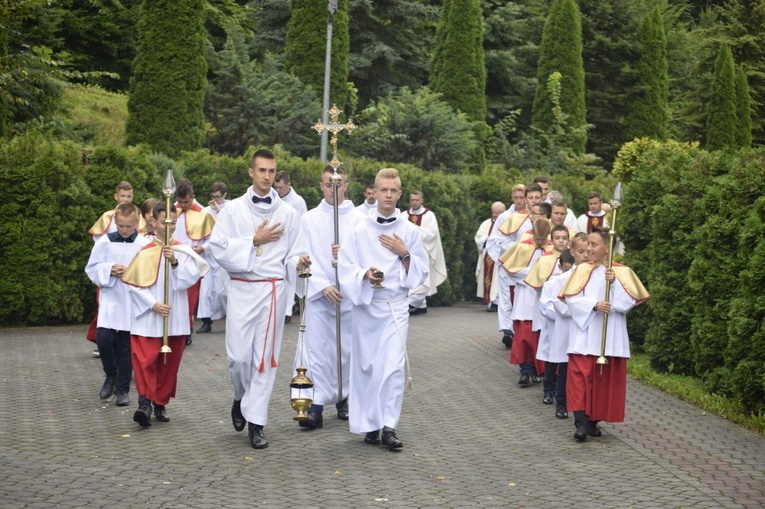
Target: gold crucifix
(334,127)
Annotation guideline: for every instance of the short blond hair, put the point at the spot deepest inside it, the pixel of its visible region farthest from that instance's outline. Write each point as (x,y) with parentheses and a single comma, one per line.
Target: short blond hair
(541,227)
(388,173)
(127,210)
(519,187)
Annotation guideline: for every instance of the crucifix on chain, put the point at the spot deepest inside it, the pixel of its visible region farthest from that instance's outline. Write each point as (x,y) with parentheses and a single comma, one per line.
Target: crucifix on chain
(334,127)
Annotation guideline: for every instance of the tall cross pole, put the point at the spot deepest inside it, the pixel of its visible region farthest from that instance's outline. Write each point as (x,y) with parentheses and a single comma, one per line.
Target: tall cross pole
(331,11)
(324,128)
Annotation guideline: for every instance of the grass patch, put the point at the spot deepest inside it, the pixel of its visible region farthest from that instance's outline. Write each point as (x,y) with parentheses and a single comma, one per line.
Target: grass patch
(95,116)
(692,390)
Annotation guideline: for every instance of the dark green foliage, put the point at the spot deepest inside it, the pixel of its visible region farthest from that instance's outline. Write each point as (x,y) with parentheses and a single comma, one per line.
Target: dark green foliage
(168,85)
(742,26)
(99,35)
(743,110)
(649,114)
(461,75)
(391,41)
(721,110)
(252,104)
(306,47)
(512,33)
(693,223)
(50,200)
(439,56)
(561,51)
(662,184)
(30,71)
(609,48)
(270,19)
(417,128)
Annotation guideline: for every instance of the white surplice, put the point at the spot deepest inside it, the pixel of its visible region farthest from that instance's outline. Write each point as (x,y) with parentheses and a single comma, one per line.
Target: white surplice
(431,240)
(380,319)
(212,291)
(496,246)
(586,332)
(553,340)
(257,294)
(115,304)
(320,314)
(481,242)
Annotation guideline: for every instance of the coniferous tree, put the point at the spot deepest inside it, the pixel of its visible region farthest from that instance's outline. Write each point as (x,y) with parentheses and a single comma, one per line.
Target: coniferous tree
(305,49)
(561,51)
(743,109)
(648,114)
(167,89)
(462,74)
(721,110)
(4,113)
(437,64)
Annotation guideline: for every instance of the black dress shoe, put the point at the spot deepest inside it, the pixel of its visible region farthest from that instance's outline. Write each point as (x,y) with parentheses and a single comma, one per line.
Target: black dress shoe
(561,412)
(143,416)
(237,419)
(373,437)
(547,399)
(592,429)
(108,388)
(123,399)
(580,435)
(390,440)
(257,439)
(160,413)
(189,340)
(205,328)
(342,410)
(524,380)
(315,421)
(418,311)
(492,308)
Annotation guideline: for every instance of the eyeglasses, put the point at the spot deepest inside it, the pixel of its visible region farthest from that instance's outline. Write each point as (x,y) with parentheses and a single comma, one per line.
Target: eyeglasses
(216,197)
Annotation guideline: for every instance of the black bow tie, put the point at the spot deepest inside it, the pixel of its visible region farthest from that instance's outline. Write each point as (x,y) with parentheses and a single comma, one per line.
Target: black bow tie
(382,220)
(258,199)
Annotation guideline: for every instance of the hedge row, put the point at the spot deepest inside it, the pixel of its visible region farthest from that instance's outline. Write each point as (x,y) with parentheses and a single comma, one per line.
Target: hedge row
(693,224)
(53,191)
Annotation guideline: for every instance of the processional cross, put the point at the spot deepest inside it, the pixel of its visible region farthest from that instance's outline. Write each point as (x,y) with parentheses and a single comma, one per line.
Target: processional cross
(334,127)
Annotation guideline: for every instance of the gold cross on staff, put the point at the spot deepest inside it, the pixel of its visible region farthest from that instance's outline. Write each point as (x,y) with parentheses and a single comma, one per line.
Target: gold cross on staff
(334,127)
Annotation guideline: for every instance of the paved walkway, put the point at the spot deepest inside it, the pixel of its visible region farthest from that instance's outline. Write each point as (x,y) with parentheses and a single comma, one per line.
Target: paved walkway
(472,438)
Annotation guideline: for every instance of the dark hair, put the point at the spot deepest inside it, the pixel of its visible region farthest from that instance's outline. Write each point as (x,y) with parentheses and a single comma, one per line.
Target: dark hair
(220,187)
(160,208)
(147,206)
(184,189)
(544,208)
(531,188)
(329,169)
(265,154)
(594,194)
(560,228)
(567,257)
(282,176)
(604,234)
(541,180)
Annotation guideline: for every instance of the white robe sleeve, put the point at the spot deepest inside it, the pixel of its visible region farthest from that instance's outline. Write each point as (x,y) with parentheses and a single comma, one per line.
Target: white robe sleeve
(581,309)
(234,254)
(98,269)
(352,281)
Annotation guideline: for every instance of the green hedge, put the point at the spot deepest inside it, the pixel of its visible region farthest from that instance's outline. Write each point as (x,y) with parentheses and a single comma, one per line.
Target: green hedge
(693,225)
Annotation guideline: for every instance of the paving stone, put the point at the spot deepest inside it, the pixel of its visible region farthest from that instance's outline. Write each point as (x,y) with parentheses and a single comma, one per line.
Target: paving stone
(472,437)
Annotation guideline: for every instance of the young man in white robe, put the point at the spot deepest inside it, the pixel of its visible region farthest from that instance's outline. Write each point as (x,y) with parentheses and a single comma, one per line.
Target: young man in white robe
(289,196)
(258,241)
(426,220)
(323,299)
(381,260)
(156,373)
(193,229)
(370,201)
(486,270)
(596,392)
(111,255)
(510,227)
(212,291)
